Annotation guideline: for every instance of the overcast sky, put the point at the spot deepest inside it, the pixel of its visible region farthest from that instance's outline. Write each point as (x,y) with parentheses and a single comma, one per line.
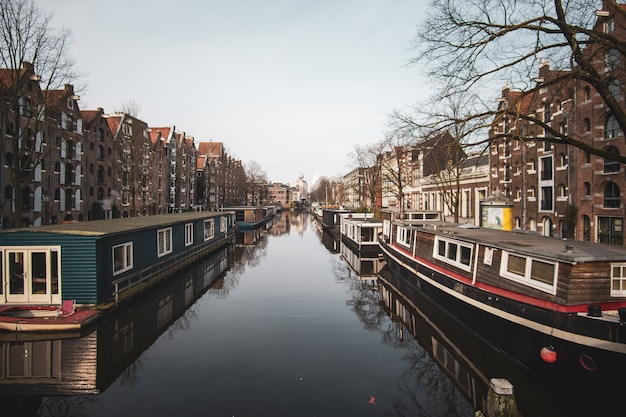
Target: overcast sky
(291,84)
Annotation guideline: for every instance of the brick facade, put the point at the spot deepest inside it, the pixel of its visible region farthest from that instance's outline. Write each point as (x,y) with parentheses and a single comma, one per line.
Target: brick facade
(559,189)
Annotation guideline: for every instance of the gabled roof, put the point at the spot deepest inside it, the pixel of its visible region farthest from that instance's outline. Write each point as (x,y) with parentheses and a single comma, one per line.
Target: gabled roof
(437,141)
(163,131)
(89,116)
(114,122)
(211,148)
(54,98)
(7,77)
(157,134)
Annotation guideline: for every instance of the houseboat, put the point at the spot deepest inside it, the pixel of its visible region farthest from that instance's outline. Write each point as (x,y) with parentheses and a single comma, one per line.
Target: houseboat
(554,305)
(100,262)
(62,364)
(364,266)
(251,217)
(361,234)
(330,218)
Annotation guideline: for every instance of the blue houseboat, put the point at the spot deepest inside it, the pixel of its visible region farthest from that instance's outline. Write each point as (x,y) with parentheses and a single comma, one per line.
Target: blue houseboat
(98,262)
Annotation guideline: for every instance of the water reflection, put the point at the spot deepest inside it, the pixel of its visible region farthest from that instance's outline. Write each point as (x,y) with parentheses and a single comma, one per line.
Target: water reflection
(365,267)
(277,328)
(38,374)
(424,389)
(329,240)
(449,359)
(448,368)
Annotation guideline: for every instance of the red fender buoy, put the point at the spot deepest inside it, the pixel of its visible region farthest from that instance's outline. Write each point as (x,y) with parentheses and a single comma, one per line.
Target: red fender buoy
(548,354)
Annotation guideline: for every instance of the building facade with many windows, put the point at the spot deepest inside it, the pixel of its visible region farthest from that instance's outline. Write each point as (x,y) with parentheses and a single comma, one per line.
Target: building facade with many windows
(558,189)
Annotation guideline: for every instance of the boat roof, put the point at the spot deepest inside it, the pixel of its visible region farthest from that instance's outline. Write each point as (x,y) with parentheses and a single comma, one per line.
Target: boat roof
(119,225)
(530,243)
(364,222)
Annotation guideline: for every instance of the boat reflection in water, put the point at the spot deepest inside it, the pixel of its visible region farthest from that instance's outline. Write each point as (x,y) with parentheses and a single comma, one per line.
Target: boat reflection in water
(330,240)
(44,371)
(471,363)
(364,267)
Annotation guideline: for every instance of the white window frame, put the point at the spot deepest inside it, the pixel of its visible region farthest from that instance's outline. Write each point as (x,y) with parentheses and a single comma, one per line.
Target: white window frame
(188,234)
(127,257)
(526,279)
(403,236)
(453,258)
(223,224)
(209,229)
(164,241)
(618,279)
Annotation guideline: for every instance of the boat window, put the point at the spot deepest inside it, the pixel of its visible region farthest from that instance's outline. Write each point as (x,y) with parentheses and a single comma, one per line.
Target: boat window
(516,265)
(466,255)
(122,257)
(164,241)
(453,252)
(542,272)
(209,229)
(442,248)
(618,280)
(403,236)
(223,224)
(533,272)
(188,234)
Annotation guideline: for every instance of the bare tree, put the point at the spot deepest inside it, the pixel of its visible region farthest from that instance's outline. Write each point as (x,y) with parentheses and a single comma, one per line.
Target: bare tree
(367,157)
(449,130)
(321,190)
(395,166)
(256,180)
(34,60)
(130,107)
(469,45)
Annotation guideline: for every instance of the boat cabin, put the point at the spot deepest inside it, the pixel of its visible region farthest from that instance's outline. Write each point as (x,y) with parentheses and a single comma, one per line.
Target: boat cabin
(251,217)
(570,274)
(361,234)
(93,262)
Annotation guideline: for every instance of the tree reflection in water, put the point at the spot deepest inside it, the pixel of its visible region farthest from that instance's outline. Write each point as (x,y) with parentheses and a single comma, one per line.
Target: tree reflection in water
(424,390)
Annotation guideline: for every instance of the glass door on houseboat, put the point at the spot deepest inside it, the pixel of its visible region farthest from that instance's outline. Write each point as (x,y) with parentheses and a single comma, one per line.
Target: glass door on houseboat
(31,276)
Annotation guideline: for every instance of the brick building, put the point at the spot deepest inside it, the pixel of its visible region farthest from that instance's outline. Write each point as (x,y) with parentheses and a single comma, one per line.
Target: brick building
(98,179)
(558,189)
(42,160)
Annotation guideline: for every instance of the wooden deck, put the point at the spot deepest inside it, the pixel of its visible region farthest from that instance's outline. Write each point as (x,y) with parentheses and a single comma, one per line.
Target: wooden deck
(81,318)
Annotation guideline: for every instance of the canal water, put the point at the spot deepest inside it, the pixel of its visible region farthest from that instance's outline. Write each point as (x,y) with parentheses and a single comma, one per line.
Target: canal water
(279,325)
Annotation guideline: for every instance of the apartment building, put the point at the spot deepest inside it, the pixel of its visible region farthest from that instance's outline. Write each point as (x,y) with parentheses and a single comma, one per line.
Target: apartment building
(558,189)
(42,159)
(100,194)
(354,192)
